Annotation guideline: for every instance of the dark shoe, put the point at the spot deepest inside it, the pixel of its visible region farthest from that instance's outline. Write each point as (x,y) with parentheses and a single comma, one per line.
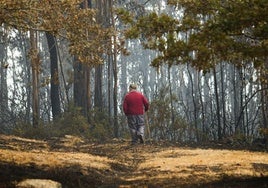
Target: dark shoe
(133,143)
(141,139)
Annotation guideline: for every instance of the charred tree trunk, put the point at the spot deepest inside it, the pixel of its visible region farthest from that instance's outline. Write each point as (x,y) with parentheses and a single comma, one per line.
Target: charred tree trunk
(82,87)
(54,82)
(98,102)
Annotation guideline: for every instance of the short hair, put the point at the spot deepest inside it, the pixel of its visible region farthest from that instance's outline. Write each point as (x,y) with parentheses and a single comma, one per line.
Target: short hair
(133,86)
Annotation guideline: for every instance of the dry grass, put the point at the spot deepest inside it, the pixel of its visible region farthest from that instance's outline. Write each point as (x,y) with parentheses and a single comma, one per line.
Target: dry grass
(75,162)
(205,165)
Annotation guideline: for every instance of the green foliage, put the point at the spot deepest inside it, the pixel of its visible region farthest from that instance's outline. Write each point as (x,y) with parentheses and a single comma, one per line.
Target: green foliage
(124,15)
(214,31)
(101,128)
(160,115)
(240,140)
(72,122)
(264,132)
(28,131)
(87,38)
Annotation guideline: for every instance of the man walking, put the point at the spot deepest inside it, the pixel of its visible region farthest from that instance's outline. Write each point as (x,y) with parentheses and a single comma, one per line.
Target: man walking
(134,106)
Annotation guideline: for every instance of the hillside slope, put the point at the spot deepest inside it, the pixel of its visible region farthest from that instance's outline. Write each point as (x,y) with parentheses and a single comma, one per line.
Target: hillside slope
(75,162)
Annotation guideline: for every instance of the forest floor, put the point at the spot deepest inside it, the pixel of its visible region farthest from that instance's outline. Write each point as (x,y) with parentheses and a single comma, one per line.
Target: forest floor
(74,162)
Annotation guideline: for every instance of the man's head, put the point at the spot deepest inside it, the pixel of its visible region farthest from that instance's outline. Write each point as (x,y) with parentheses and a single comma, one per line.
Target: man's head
(132,86)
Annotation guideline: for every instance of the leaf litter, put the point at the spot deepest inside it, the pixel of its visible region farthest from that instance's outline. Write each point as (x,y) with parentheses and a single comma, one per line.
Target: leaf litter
(76,162)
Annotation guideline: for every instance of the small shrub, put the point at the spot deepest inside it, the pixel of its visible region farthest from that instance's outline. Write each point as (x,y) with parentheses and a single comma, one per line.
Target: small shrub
(264,132)
(72,122)
(101,128)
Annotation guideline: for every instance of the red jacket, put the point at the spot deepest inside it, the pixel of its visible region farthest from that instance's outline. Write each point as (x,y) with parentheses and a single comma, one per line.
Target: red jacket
(135,103)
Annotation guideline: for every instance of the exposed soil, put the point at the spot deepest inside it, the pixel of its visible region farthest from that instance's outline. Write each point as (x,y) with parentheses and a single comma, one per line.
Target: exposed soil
(75,162)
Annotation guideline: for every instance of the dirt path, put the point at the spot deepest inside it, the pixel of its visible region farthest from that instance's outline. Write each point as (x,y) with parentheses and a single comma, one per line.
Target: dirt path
(76,163)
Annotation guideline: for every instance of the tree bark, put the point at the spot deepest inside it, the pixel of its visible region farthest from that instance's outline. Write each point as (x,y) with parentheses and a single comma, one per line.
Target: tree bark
(82,92)
(3,81)
(217,104)
(193,95)
(264,96)
(54,82)
(98,102)
(223,101)
(35,62)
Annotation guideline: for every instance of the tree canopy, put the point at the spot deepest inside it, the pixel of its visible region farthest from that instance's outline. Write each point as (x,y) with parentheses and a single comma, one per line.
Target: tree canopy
(204,33)
(65,18)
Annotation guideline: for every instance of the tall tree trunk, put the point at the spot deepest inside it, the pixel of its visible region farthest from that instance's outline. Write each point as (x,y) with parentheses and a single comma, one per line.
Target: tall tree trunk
(3,79)
(201,99)
(238,99)
(104,18)
(26,68)
(54,71)
(223,93)
(110,88)
(171,105)
(115,95)
(35,63)
(114,61)
(217,104)
(82,92)
(194,103)
(264,97)
(98,101)
(123,78)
